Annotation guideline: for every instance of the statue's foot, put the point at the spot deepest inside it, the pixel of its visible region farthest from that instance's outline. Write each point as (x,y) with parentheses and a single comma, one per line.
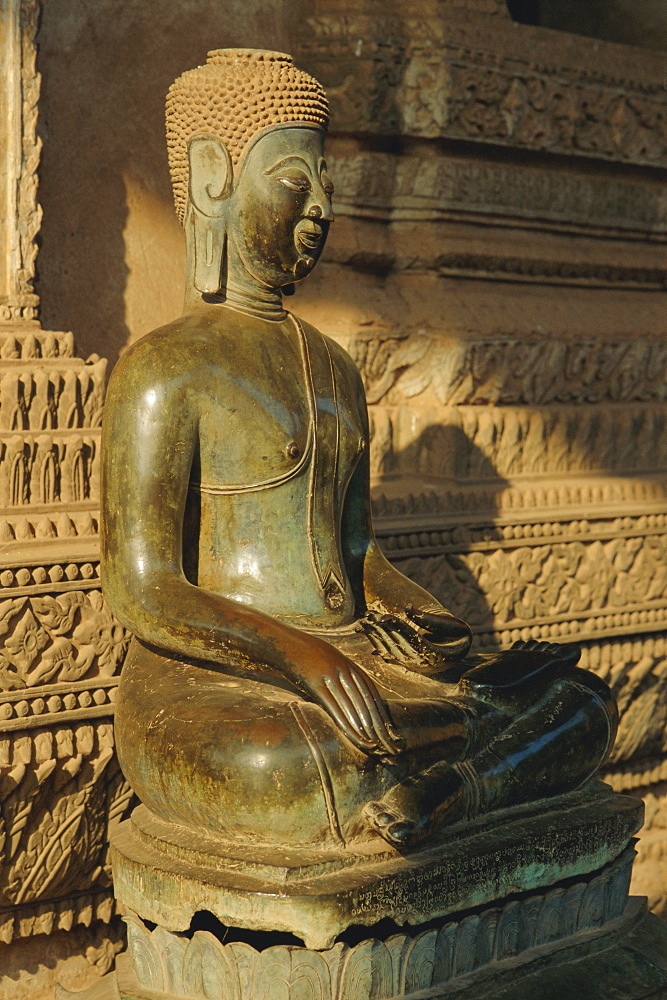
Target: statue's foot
(518,677)
(421,803)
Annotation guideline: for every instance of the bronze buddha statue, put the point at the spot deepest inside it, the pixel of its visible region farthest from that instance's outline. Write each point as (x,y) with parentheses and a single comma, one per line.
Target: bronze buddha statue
(286,685)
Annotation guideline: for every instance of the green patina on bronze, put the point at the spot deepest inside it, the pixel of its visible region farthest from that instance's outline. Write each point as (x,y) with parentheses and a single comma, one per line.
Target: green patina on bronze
(287,686)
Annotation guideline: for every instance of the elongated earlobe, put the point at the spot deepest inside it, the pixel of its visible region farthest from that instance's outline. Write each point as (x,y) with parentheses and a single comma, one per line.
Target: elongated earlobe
(209,244)
(209,188)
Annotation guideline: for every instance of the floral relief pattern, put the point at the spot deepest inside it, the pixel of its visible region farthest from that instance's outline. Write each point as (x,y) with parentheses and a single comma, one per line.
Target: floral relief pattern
(58,638)
(525,584)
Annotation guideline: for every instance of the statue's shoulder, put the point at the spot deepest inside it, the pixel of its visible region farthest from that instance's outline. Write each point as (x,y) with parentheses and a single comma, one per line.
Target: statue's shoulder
(153,355)
(343,363)
(173,356)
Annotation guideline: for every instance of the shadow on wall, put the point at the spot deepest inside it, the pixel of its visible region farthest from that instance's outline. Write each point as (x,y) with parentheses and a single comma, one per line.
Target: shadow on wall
(110,267)
(437,455)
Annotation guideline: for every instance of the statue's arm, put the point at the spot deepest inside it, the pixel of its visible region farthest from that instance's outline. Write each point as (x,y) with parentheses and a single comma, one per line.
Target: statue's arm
(380,586)
(150,433)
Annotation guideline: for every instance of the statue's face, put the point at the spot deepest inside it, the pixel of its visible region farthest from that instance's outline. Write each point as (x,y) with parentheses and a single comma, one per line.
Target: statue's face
(280,208)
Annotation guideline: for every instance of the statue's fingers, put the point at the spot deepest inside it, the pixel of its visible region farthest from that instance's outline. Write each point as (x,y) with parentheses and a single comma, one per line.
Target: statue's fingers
(383,725)
(331,705)
(385,643)
(356,697)
(376,636)
(524,644)
(349,710)
(394,648)
(449,635)
(402,641)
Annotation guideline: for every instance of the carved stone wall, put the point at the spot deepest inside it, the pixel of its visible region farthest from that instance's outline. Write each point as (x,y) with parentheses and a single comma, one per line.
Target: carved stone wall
(499,252)
(497,268)
(60,649)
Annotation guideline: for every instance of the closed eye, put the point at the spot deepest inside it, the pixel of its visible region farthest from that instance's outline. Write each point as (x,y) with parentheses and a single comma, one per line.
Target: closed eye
(294,180)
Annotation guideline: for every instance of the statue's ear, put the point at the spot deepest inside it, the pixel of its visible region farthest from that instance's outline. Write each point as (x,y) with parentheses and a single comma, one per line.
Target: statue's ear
(210,174)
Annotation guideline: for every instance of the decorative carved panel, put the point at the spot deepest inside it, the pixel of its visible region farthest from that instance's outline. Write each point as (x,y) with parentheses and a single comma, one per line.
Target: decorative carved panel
(60,649)
(506,309)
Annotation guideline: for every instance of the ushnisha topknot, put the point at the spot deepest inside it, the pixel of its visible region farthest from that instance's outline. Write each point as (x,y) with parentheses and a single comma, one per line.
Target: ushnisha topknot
(235,95)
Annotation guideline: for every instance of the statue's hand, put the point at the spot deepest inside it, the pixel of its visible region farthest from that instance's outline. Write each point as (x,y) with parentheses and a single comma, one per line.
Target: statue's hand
(442,631)
(350,697)
(426,643)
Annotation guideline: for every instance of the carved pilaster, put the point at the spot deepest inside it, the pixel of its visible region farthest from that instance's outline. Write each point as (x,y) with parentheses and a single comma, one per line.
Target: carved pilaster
(60,649)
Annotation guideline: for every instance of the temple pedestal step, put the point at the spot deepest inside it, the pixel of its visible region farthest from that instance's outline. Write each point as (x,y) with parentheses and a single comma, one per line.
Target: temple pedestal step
(624,958)
(531,899)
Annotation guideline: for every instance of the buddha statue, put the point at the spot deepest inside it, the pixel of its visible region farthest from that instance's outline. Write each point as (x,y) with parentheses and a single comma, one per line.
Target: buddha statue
(286,685)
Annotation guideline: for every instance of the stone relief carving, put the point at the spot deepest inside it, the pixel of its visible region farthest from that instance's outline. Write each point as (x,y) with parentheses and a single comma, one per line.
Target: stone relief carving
(532,95)
(535,372)
(489,442)
(60,790)
(60,649)
(402,965)
(413,188)
(545,447)
(517,587)
(58,638)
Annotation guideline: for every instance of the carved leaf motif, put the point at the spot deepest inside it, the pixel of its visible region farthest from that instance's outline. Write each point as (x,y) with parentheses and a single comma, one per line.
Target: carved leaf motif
(243,959)
(57,659)
(207,971)
(7,611)
(62,638)
(57,614)
(53,818)
(146,960)
(420,963)
(367,974)
(550,917)
(10,678)
(397,946)
(508,934)
(444,954)
(103,638)
(465,945)
(284,973)
(171,948)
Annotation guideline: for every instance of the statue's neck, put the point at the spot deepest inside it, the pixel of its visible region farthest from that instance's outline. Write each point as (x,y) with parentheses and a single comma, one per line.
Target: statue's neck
(252,297)
(241,290)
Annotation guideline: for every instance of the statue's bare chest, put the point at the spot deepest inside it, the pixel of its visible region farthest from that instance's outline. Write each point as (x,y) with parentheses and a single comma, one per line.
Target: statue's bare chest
(266,412)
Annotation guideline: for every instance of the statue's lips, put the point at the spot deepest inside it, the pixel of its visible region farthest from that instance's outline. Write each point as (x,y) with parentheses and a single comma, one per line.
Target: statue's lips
(309,236)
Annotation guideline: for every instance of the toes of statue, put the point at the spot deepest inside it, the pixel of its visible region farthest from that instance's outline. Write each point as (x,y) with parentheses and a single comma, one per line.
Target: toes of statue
(389,824)
(401,833)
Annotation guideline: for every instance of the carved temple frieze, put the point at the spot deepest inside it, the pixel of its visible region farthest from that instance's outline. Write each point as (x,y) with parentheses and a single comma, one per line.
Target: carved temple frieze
(60,650)
(412,186)
(468,76)
(528,371)
(497,183)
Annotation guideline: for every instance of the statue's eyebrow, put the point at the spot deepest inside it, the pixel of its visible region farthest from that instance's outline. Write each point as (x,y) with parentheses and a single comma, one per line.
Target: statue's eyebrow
(285,161)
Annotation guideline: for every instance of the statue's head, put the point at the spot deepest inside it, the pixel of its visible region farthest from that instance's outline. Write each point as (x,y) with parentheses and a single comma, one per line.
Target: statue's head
(245,135)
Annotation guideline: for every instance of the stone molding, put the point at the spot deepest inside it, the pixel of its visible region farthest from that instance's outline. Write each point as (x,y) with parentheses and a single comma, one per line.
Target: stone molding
(468,78)
(20,221)
(404,965)
(413,187)
(57,915)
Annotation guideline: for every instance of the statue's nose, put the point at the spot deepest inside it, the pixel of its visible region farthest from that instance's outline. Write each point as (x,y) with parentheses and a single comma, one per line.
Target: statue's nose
(319,211)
